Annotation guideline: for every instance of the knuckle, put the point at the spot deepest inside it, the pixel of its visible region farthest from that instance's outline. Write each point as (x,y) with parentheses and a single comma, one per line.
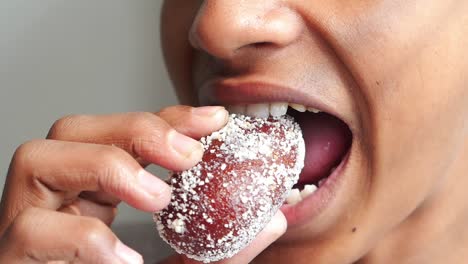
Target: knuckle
(175,110)
(26,153)
(140,123)
(110,157)
(183,119)
(93,232)
(149,146)
(146,132)
(175,115)
(114,169)
(62,125)
(20,229)
(25,149)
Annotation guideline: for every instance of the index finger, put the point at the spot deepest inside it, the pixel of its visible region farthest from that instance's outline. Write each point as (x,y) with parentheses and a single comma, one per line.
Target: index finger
(274,230)
(164,138)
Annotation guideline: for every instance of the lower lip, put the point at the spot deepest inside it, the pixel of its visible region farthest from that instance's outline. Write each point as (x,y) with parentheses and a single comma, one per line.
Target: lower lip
(313,205)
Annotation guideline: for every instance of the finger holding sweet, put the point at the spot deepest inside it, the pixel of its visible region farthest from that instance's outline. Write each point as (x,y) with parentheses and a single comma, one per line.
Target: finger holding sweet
(163,138)
(94,158)
(195,122)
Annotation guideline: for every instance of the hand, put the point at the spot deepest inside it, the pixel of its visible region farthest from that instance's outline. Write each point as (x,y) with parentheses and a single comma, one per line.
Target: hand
(271,233)
(61,193)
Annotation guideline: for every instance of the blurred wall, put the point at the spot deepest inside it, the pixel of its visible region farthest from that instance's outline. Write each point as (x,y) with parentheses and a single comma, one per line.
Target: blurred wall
(63,57)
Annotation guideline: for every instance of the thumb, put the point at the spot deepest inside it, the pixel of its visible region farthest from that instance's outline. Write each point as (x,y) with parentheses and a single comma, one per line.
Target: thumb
(273,230)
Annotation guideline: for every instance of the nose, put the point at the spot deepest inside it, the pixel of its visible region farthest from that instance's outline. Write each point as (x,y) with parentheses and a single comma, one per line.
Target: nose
(223,27)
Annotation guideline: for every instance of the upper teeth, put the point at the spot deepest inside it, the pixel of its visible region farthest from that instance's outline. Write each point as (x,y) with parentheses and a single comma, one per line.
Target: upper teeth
(264,110)
(298,107)
(278,109)
(258,110)
(295,196)
(313,110)
(308,190)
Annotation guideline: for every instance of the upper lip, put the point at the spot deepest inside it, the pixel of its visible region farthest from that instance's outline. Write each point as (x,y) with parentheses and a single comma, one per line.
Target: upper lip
(227,92)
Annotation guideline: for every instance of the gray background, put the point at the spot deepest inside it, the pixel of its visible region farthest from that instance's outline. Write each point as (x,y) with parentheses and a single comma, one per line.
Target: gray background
(63,57)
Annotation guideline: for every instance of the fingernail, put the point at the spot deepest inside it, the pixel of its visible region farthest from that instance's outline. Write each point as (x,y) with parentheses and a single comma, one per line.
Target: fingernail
(185,146)
(155,187)
(127,255)
(277,225)
(209,111)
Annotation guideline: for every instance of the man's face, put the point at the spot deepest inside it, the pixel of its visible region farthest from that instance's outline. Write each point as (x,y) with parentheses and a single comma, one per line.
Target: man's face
(389,75)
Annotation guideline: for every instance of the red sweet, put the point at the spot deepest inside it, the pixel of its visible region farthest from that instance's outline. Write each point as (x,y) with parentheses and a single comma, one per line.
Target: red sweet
(221,204)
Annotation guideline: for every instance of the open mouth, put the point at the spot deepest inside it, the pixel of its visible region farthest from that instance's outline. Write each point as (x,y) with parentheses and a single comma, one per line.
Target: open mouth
(327,139)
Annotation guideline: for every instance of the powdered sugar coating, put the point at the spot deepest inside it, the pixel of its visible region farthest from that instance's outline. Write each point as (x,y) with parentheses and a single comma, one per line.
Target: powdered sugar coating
(221,204)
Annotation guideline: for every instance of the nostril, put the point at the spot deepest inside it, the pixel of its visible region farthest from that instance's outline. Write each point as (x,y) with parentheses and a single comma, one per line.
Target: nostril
(260,45)
(222,29)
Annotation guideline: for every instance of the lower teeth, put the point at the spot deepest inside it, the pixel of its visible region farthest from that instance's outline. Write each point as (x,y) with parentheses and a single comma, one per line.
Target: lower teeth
(308,190)
(295,196)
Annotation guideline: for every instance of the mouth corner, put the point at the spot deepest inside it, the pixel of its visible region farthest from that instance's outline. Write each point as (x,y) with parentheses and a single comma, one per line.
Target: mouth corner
(328,141)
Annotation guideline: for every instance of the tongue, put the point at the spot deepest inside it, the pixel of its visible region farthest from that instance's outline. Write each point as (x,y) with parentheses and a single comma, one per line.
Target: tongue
(327,139)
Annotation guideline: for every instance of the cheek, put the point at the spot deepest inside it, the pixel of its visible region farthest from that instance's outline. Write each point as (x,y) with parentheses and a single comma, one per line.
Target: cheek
(408,74)
(176,19)
(407,66)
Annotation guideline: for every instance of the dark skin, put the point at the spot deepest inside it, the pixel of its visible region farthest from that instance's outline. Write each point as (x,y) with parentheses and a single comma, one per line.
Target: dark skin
(72,181)
(395,71)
